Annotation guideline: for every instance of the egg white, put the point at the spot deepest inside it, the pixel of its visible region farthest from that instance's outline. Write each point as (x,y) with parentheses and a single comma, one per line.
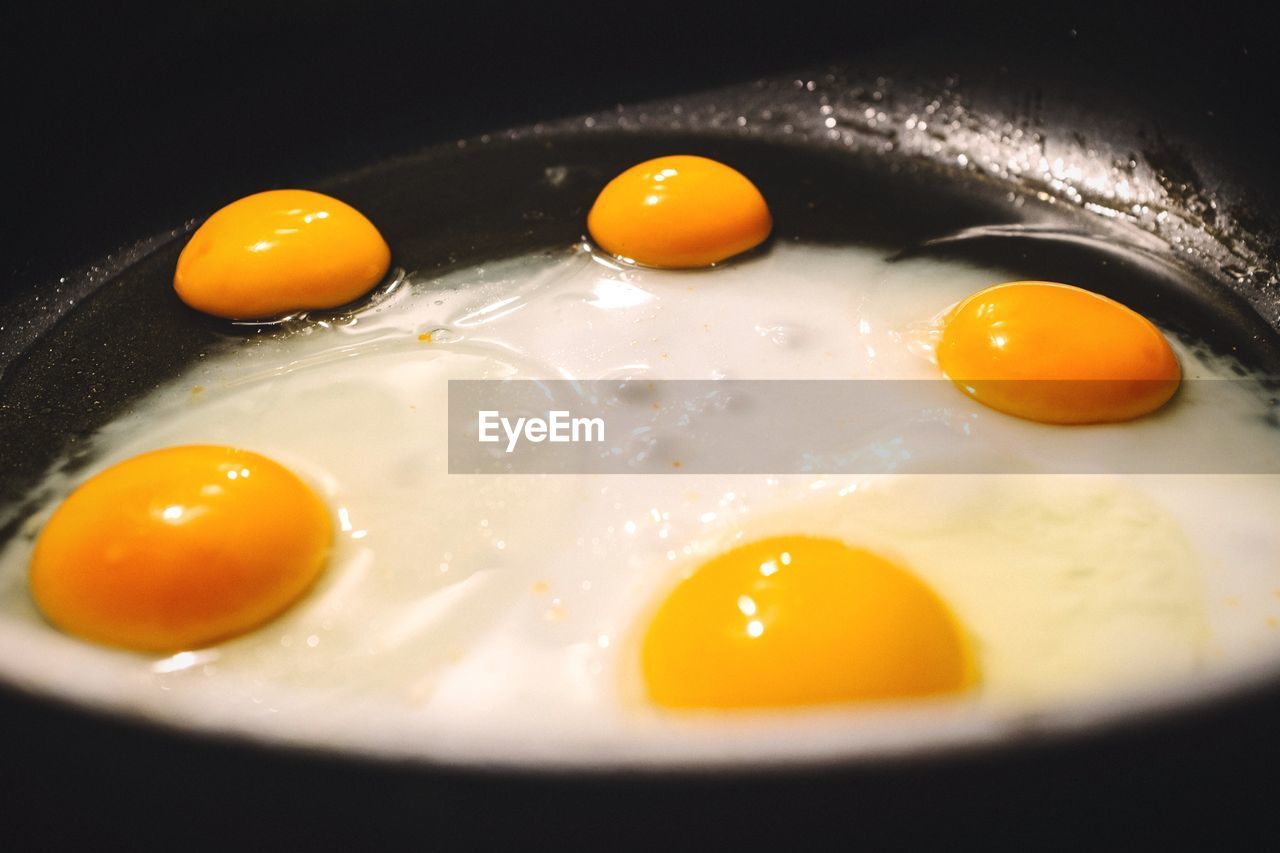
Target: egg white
(485,617)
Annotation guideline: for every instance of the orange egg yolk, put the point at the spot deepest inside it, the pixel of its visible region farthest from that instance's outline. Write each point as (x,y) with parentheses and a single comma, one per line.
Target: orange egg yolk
(1057,354)
(801,621)
(280,251)
(679,212)
(179,548)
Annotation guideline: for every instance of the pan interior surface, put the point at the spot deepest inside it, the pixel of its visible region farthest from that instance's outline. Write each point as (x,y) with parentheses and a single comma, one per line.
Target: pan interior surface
(479,224)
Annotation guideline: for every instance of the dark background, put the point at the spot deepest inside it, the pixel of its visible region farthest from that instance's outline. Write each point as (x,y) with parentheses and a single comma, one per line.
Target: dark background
(132,119)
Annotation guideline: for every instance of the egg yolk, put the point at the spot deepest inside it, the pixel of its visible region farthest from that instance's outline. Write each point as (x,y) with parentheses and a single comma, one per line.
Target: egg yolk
(178,548)
(679,212)
(801,621)
(279,251)
(1057,354)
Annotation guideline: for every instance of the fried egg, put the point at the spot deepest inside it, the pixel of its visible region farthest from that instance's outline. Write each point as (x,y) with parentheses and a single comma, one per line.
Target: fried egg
(1057,354)
(801,620)
(280,251)
(179,548)
(534,618)
(679,212)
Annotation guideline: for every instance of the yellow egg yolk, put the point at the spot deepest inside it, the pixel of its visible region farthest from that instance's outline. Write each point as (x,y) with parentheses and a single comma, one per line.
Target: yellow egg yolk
(1057,354)
(179,548)
(679,212)
(801,621)
(280,251)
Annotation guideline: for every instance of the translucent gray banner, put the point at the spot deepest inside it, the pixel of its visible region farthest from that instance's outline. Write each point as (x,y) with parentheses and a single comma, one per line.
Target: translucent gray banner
(831,427)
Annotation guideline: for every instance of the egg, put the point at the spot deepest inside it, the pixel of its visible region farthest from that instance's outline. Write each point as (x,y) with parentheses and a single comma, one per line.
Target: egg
(1062,586)
(277,252)
(178,548)
(796,620)
(1057,354)
(519,618)
(679,212)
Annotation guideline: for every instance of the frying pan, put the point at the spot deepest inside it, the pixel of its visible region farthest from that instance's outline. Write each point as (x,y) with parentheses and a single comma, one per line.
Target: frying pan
(149,123)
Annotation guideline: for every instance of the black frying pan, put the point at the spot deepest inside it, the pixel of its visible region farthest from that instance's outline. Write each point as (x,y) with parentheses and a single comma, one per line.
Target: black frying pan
(218,109)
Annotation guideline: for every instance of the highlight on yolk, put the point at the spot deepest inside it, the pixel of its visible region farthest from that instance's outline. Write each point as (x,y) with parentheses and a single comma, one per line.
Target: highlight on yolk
(1057,354)
(679,212)
(178,548)
(801,621)
(279,251)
